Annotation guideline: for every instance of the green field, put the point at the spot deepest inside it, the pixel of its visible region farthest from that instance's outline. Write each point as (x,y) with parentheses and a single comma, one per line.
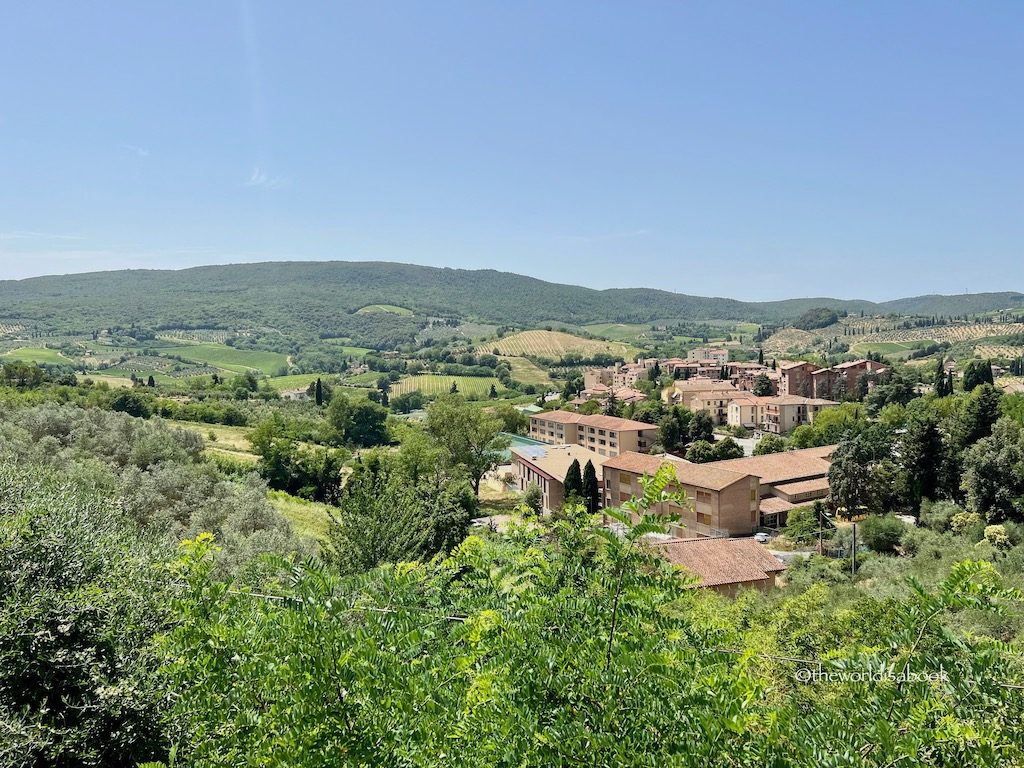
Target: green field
(228,358)
(554,344)
(896,350)
(344,347)
(36,355)
(308,518)
(281,383)
(430,384)
(391,309)
(628,332)
(528,372)
(233,440)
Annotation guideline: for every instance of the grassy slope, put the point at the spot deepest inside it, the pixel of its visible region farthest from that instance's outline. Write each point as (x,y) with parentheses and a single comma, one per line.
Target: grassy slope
(229,358)
(307,517)
(36,355)
(430,384)
(554,344)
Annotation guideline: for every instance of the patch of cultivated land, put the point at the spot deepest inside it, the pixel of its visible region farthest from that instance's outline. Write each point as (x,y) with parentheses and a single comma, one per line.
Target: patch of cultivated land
(619,331)
(228,358)
(950,333)
(554,344)
(391,309)
(998,351)
(233,440)
(528,372)
(431,384)
(36,355)
(892,349)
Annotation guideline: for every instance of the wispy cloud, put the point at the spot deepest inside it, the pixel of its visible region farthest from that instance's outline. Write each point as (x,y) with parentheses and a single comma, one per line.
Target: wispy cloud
(26,235)
(602,237)
(139,151)
(260,178)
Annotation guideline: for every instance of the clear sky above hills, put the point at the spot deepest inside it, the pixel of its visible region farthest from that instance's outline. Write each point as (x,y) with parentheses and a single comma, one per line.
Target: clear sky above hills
(754,150)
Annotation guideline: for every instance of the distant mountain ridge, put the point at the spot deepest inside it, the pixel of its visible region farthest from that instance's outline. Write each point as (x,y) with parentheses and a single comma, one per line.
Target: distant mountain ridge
(325,295)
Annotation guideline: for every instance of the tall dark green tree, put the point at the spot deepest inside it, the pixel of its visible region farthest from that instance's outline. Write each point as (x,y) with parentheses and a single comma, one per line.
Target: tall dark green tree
(573,483)
(591,491)
(318,392)
(940,380)
(976,373)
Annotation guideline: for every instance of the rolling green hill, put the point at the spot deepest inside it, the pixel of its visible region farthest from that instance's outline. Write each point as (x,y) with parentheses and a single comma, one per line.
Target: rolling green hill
(310,299)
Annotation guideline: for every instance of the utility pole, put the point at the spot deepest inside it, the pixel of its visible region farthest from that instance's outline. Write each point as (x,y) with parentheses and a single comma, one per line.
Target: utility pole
(853,561)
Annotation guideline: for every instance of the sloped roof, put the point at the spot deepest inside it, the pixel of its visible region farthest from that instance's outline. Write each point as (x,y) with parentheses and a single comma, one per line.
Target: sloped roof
(788,466)
(554,460)
(687,473)
(716,562)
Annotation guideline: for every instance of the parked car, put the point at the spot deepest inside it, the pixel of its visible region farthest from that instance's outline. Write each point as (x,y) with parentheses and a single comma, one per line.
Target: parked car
(762,537)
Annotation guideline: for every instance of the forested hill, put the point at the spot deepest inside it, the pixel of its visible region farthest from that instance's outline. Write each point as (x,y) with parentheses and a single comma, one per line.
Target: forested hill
(323,297)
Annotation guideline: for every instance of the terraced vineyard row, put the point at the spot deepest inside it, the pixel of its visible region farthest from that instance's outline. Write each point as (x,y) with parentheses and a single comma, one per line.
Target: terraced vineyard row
(217,335)
(553,345)
(950,333)
(998,351)
(431,384)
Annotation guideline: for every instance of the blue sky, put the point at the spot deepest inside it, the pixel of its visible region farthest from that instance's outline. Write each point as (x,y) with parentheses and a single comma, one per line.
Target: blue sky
(753,150)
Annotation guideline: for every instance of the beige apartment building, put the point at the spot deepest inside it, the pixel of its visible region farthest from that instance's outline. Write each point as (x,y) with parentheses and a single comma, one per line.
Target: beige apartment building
(727,498)
(683,391)
(717,355)
(605,435)
(723,502)
(777,415)
(546,465)
(785,413)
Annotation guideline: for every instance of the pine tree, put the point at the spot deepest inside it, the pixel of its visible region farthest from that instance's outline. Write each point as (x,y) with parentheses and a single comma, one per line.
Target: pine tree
(573,483)
(591,494)
(493,393)
(454,389)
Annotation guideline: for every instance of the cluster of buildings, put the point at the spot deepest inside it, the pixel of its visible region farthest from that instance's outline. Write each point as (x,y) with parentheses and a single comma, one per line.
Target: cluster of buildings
(734,497)
(725,500)
(777,414)
(706,362)
(814,381)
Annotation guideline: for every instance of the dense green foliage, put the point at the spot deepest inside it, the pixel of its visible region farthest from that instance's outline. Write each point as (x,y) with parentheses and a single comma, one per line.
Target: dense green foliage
(817,317)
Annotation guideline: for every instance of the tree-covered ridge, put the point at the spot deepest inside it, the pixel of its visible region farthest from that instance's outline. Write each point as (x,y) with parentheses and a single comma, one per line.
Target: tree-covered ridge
(323,298)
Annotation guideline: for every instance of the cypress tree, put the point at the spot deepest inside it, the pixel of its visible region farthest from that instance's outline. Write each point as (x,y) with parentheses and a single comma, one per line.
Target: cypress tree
(573,483)
(591,494)
(318,392)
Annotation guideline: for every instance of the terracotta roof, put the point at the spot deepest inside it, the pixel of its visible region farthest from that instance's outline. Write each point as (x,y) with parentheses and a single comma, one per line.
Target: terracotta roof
(797,400)
(788,466)
(687,473)
(803,486)
(774,505)
(721,561)
(702,385)
(614,422)
(554,460)
(559,417)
